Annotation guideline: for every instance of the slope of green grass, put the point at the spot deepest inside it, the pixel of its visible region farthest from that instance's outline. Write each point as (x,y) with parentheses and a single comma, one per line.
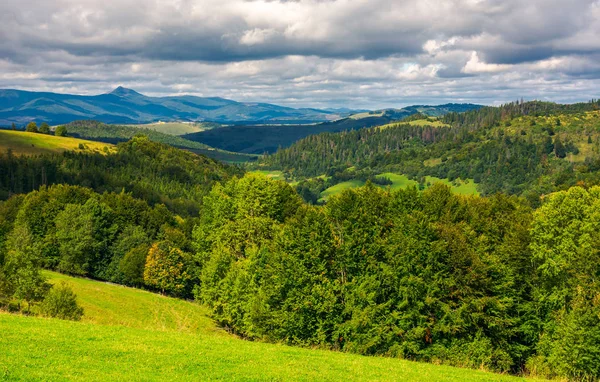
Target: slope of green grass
(128,334)
(23,143)
(135,308)
(333,190)
(461,187)
(398,181)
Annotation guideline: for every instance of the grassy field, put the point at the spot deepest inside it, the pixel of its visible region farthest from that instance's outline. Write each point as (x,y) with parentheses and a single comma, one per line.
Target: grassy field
(461,187)
(176,128)
(132,335)
(398,181)
(419,122)
(23,143)
(333,190)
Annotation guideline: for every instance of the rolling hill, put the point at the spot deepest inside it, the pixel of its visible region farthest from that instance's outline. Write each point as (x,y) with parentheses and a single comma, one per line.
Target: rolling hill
(98,131)
(127,106)
(23,143)
(259,139)
(130,334)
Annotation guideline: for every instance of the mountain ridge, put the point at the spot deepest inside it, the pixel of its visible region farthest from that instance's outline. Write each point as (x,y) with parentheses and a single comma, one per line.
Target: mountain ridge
(123,105)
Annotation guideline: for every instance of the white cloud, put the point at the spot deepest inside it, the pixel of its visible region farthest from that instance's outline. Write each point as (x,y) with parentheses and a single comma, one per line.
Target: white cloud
(363,53)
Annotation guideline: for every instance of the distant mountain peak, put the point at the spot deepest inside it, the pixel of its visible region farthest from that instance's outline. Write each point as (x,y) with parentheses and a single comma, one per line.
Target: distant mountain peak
(124,92)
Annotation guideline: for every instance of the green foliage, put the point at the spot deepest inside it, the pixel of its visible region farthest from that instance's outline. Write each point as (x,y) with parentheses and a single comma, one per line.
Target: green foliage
(22,278)
(44,128)
(178,332)
(83,233)
(167,268)
(61,302)
(132,265)
(61,131)
(507,149)
(98,131)
(428,276)
(151,171)
(565,243)
(31,127)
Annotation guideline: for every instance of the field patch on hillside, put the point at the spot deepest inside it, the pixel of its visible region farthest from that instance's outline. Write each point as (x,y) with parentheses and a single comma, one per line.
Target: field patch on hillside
(461,187)
(23,143)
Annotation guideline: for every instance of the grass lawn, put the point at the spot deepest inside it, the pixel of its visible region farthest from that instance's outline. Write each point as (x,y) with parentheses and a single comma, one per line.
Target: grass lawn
(132,335)
(23,143)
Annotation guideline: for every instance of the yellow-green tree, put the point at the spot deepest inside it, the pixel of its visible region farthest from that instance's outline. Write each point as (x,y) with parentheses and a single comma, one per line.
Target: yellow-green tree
(167,268)
(31,127)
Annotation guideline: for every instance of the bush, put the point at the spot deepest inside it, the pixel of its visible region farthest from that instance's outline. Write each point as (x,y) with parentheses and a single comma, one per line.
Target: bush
(61,302)
(61,131)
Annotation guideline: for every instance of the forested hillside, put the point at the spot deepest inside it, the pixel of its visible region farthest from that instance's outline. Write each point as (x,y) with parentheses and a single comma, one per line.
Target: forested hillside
(260,139)
(486,283)
(149,170)
(98,131)
(529,149)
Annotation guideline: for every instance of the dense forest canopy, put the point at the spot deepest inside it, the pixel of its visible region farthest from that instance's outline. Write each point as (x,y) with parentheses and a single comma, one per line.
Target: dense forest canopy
(522,148)
(149,170)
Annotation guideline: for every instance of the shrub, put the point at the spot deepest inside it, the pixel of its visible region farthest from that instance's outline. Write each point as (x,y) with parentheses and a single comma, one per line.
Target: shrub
(61,302)
(61,131)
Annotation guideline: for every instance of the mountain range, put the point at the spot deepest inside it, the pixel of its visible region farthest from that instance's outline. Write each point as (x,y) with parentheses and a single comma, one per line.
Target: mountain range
(126,106)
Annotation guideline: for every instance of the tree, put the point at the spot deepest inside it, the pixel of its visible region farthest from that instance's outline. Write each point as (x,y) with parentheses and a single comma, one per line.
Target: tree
(132,265)
(548,145)
(60,131)
(13,126)
(84,233)
(167,268)
(31,127)
(61,302)
(565,243)
(22,268)
(559,148)
(44,128)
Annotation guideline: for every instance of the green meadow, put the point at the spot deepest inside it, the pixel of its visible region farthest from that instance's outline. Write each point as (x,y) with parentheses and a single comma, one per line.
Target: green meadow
(24,143)
(133,335)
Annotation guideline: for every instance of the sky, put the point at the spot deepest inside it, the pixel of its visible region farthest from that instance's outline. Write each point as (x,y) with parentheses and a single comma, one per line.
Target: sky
(307,53)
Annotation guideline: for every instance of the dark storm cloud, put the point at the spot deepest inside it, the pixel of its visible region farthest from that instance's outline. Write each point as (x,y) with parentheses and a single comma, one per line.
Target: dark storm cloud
(306,52)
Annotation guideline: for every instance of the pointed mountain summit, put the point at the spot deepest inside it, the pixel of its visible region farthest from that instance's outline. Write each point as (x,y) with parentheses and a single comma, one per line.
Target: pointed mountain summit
(124,92)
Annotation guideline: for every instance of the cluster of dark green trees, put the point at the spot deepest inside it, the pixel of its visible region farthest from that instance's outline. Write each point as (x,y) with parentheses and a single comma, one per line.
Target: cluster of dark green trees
(519,148)
(44,128)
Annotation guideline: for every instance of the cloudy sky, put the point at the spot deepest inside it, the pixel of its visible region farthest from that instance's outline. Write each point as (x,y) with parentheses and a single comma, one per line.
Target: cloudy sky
(337,53)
